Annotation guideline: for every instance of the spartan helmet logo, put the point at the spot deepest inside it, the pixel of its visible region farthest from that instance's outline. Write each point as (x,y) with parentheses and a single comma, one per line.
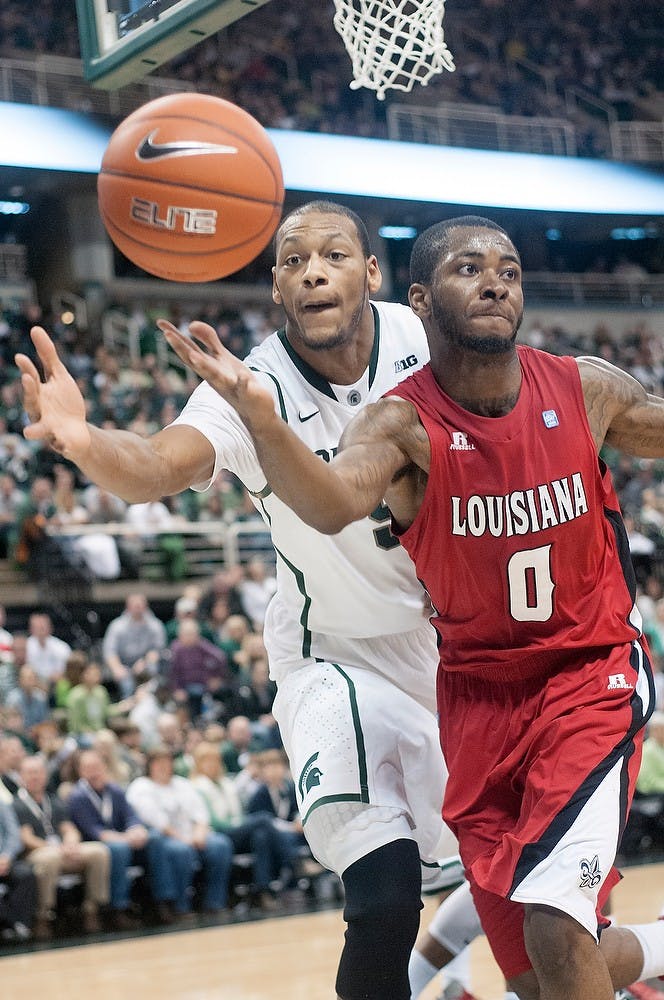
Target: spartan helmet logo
(312,779)
(310,776)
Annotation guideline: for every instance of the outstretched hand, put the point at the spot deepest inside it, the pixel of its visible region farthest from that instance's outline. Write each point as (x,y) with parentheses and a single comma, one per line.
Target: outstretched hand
(229,376)
(55,407)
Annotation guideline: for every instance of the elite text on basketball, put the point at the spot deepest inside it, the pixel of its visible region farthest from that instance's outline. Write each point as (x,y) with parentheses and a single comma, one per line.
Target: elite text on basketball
(197,221)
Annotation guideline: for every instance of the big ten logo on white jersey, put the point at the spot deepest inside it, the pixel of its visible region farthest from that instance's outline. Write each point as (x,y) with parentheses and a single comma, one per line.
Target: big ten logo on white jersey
(403,364)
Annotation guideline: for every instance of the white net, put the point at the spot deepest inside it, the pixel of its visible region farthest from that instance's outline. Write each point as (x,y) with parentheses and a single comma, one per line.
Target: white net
(393,43)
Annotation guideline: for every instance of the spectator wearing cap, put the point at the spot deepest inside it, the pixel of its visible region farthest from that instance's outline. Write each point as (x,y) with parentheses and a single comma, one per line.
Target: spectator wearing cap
(186,607)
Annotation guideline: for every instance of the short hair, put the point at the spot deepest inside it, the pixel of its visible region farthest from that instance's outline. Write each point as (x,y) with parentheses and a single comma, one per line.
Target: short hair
(273,755)
(206,749)
(327,208)
(122,726)
(159,752)
(435,240)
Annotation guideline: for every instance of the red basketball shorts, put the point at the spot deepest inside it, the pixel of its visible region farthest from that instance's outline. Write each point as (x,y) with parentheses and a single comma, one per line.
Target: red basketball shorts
(541,777)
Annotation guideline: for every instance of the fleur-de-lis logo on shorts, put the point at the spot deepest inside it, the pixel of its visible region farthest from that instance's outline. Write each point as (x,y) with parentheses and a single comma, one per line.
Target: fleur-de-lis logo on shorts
(590,873)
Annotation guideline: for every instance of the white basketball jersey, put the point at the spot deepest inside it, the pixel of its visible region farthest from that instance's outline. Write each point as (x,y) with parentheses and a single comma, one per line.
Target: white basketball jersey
(359,583)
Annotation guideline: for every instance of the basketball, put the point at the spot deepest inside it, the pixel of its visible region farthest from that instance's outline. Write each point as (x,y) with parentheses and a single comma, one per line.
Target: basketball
(190,187)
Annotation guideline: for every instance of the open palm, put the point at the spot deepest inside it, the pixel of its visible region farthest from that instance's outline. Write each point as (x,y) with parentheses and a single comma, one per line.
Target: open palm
(55,406)
(229,376)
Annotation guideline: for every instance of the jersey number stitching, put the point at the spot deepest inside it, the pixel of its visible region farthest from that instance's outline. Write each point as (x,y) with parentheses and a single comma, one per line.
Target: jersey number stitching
(530,585)
(383,537)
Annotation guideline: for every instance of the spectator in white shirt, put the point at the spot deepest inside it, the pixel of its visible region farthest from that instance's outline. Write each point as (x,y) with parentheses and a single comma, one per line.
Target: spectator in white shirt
(256,591)
(45,652)
(170,804)
(8,671)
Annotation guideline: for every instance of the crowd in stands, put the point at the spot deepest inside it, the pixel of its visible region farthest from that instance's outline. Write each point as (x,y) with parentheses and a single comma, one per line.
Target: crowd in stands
(40,492)
(148,754)
(287,66)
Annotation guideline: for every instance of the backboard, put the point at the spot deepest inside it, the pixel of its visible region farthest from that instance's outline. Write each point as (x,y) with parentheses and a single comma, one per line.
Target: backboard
(123,40)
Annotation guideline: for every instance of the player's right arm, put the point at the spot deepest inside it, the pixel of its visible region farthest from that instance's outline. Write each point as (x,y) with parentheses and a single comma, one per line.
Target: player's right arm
(329,496)
(134,468)
(375,450)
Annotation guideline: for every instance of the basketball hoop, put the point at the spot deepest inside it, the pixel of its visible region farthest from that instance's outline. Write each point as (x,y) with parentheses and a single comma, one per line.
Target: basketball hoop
(393,43)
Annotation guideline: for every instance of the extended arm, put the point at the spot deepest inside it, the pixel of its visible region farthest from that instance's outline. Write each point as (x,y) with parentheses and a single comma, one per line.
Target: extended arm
(135,468)
(620,411)
(326,496)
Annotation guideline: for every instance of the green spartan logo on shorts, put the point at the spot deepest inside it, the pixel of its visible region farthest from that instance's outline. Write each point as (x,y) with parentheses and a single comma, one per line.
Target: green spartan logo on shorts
(310,776)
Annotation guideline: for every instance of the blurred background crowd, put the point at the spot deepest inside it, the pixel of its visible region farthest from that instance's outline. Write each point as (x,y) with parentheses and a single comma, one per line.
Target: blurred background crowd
(289,69)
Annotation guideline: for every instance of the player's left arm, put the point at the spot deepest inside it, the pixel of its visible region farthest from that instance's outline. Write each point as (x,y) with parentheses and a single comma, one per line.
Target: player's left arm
(620,411)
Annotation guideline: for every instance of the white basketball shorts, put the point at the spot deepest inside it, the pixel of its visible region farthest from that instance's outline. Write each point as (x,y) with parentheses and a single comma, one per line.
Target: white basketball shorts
(365,757)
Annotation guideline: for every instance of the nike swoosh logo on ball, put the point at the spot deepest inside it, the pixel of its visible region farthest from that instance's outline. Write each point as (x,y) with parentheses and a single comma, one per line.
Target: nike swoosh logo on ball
(150,150)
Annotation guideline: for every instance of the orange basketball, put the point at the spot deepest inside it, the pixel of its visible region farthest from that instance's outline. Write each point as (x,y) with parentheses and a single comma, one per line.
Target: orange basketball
(190,187)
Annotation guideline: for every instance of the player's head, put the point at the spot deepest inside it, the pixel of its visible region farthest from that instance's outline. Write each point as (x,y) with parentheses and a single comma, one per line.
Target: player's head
(466,285)
(323,207)
(324,274)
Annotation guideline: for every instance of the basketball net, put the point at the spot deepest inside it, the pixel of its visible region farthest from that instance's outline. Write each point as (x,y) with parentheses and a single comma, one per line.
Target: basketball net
(393,43)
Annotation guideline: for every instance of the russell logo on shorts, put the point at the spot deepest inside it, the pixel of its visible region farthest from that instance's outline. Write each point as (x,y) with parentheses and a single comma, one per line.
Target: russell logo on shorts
(309,777)
(590,873)
(618,682)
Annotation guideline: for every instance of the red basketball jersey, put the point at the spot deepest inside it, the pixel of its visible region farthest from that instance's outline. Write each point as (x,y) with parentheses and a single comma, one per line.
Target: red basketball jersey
(519,539)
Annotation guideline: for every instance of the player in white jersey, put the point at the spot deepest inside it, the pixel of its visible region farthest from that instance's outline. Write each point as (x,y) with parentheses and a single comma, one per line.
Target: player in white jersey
(364,668)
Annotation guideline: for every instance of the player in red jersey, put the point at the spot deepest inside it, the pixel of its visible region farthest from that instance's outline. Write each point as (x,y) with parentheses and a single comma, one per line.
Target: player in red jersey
(489,463)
